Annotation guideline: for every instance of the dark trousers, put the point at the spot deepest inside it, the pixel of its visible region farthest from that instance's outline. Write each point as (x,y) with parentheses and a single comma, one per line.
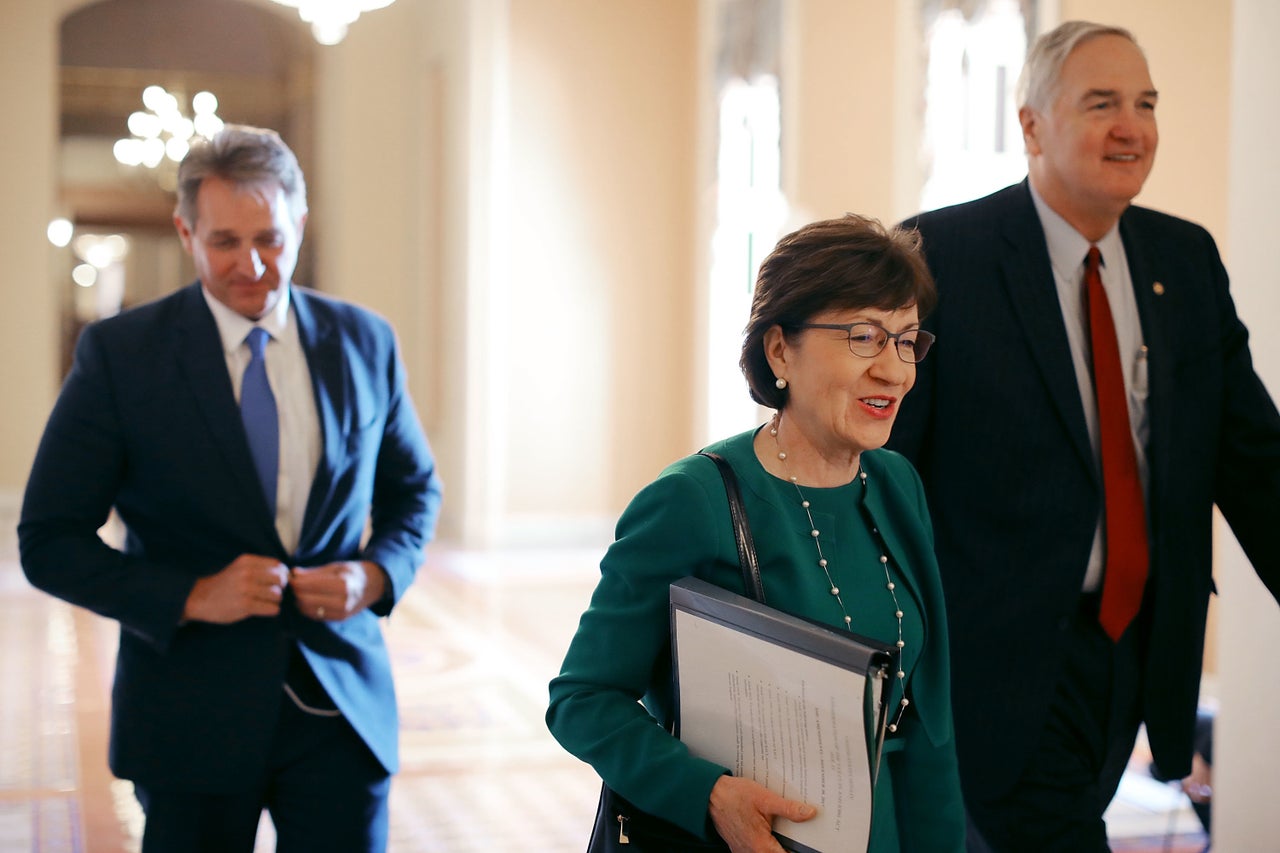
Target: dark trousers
(1057,804)
(323,789)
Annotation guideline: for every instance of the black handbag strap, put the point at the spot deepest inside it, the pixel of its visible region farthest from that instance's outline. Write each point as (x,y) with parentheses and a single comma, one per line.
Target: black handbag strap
(741,529)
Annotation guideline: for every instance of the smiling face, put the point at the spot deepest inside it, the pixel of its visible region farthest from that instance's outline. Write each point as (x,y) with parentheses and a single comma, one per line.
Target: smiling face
(839,404)
(244,243)
(1090,151)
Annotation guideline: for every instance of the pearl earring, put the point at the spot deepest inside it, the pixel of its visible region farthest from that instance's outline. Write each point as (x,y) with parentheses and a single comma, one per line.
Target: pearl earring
(780,384)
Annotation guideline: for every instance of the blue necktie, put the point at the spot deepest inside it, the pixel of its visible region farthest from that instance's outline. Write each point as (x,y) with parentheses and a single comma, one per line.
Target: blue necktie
(258,411)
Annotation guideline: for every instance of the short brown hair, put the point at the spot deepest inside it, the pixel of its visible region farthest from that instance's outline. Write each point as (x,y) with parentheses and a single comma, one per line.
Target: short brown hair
(837,264)
(245,156)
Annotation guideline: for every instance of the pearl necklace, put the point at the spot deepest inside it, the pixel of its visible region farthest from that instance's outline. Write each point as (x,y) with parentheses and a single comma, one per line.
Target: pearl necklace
(826,569)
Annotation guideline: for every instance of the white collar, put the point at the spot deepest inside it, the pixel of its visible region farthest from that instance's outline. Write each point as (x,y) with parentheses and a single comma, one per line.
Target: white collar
(234,327)
(1067,246)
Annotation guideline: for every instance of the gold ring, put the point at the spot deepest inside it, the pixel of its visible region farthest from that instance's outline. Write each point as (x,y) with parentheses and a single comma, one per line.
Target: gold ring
(320,612)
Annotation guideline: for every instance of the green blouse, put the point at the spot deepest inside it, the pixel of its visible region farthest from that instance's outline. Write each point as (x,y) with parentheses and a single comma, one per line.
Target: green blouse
(679,526)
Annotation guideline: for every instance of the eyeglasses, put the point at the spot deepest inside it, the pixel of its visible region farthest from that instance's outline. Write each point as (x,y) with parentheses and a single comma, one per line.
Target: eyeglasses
(866,340)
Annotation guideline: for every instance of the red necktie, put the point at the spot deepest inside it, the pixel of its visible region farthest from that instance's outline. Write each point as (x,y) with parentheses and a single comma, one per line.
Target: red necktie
(1125,530)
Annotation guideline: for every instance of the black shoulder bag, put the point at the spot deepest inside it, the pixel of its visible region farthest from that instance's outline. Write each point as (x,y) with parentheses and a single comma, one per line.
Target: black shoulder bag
(621,827)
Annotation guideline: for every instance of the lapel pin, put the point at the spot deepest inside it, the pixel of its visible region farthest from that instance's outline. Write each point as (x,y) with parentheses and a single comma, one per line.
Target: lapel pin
(1158,288)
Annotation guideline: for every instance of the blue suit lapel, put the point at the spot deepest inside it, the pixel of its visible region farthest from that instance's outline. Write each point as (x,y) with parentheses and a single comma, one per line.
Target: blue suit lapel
(204,367)
(323,348)
(1028,279)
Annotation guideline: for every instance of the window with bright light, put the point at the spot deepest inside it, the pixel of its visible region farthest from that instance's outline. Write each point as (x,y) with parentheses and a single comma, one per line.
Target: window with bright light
(972,138)
(749,206)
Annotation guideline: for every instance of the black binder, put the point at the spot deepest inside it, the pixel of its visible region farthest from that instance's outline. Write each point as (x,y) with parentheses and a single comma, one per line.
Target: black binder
(771,721)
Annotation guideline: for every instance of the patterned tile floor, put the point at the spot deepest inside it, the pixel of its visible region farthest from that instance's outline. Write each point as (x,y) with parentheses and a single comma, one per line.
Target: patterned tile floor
(473,643)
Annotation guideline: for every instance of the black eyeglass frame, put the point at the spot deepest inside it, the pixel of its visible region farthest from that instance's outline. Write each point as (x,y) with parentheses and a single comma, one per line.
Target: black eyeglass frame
(921,336)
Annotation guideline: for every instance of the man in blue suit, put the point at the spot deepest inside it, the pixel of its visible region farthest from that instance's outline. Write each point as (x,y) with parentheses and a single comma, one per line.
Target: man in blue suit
(276,501)
(1074,536)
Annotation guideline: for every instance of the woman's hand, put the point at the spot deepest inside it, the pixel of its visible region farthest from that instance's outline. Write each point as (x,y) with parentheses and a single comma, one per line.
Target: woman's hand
(743,813)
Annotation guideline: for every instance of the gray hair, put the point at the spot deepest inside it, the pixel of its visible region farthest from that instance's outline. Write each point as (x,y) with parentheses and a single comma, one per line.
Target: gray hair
(245,156)
(1038,83)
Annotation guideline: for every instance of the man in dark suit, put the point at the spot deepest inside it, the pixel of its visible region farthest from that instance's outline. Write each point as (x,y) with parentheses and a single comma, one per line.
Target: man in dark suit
(276,489)
(1077,611)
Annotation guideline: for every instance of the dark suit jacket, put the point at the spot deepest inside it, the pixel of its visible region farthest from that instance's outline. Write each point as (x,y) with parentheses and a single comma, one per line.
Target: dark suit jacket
(996,428)
(147,422)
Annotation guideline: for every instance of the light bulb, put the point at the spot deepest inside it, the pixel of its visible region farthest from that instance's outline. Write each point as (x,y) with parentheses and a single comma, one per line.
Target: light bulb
(60,232)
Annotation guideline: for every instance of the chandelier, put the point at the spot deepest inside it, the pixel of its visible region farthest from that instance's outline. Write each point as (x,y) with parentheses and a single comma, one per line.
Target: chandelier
(161,134)
(329,19)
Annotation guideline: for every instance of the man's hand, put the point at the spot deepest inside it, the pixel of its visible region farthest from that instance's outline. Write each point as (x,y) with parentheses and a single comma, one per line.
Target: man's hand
(743,812)
(251,585)
(338,590)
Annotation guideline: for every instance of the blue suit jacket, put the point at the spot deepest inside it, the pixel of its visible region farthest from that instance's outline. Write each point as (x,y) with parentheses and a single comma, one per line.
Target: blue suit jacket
(996,428)
(147,422)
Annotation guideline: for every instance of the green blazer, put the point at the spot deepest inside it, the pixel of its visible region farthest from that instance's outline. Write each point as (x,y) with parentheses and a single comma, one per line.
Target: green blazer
(678,526)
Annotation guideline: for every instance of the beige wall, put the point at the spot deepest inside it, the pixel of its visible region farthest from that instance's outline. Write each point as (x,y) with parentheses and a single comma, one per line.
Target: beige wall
(29,333)
(841,92)
(599,286)
(1246,773)
(516,196)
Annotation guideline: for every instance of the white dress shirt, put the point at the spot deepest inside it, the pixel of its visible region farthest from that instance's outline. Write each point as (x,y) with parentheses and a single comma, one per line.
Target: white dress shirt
(290,380)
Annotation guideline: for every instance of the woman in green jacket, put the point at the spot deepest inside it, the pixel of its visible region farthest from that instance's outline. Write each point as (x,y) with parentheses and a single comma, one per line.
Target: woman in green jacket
(843,537)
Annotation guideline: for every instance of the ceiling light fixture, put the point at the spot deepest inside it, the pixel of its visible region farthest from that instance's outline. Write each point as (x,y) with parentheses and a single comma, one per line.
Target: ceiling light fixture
(329,19)
(161,134)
